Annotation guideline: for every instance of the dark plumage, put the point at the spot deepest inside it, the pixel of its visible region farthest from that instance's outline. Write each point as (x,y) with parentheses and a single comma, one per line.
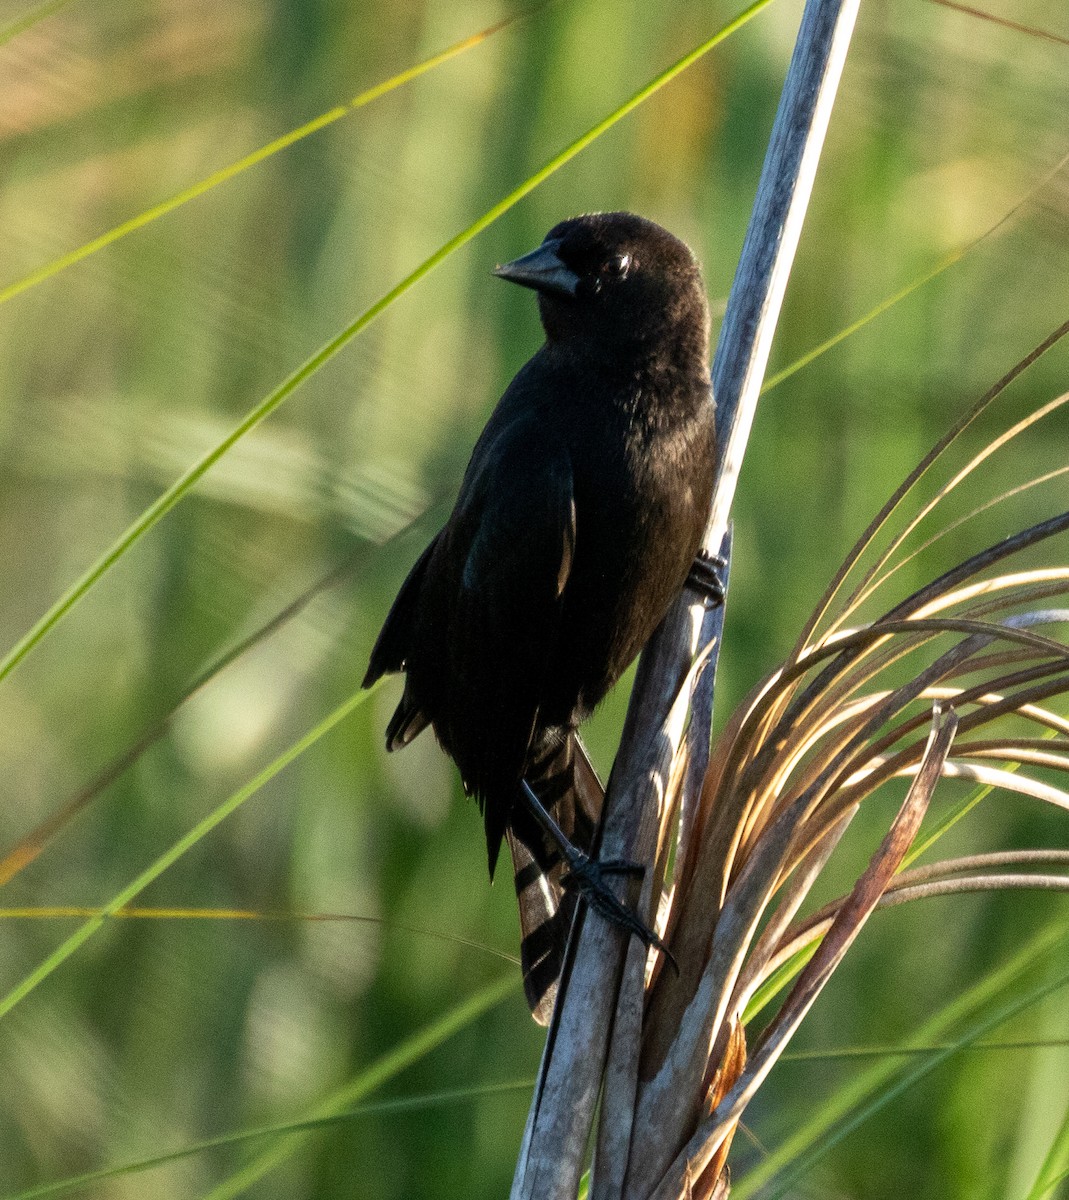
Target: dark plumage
(579,517)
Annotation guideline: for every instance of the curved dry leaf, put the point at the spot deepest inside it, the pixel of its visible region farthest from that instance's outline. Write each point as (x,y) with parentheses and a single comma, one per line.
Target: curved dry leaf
(926,509)
(950,528)
(907,485)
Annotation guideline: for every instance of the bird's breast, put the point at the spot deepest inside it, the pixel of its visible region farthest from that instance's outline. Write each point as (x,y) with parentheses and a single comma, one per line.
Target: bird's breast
(641,500)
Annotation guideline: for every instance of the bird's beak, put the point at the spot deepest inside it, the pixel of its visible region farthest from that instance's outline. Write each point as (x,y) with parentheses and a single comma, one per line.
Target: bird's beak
(542,270)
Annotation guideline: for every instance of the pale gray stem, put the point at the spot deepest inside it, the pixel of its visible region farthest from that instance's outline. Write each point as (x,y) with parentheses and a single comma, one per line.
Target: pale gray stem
(562,1112)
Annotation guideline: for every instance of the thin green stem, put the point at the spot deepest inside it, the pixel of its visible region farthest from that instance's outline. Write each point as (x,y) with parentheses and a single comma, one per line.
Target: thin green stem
(861,1096)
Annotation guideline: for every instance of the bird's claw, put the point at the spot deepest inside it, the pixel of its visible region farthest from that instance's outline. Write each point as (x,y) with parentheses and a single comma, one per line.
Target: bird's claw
(587,876)
(704,576)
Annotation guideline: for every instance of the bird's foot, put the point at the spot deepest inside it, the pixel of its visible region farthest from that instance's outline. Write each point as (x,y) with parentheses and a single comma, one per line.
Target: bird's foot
(587,876)
(705,579)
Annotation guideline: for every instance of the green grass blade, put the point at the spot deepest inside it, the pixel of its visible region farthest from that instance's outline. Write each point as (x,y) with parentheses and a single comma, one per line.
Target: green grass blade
(777,981)
(912,1050)
(65,912)
(1055,1166)
(958,813)
(787,971)
(1051,1184)
(164,503)
(855,326)
(885,1095)
(470,1008)
(404,1055)
(39,837)
(254,158)
(85,931)
(1004,222)
(857,1100)
(28,20)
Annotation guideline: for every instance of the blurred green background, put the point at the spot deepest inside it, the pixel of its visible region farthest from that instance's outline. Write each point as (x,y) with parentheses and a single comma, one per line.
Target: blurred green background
(119,372)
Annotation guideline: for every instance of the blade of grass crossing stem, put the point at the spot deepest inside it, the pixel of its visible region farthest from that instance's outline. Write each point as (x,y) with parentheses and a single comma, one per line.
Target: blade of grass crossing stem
(410,1051)
(151,873)
(945,263)
(845,1053)
(471,1008)
(833,1120)
(785,973)
(164,503)
(847,331)
(958,813)
(777,981)
(66,912)
(224,174)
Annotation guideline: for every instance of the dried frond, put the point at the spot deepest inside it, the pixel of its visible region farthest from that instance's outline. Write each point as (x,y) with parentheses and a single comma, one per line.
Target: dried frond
(954,681)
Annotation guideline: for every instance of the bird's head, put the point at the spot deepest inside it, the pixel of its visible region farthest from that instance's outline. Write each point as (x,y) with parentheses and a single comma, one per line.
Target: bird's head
(618,282)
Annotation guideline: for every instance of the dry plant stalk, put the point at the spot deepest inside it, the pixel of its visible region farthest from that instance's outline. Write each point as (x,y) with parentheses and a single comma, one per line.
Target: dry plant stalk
(592,1036)
(667,1053)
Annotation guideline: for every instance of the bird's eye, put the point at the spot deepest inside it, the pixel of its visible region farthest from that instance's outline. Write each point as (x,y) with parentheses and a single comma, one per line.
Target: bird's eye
(619,265)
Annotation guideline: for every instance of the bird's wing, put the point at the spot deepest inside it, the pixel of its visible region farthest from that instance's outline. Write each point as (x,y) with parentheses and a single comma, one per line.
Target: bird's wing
(391,652)
(395,638)
(511,542)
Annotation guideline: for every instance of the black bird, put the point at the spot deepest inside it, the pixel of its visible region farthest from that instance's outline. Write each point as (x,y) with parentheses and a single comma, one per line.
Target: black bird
(577,523)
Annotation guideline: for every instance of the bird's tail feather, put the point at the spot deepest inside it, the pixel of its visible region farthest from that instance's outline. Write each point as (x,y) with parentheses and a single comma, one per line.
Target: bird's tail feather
(407,722)
(566,783)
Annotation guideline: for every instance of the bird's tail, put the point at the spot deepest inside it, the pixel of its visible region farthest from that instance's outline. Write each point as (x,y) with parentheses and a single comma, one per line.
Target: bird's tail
(566,783)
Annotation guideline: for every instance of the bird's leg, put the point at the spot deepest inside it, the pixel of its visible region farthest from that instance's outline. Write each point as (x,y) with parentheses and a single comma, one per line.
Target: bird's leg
(705,579)
(587,876)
